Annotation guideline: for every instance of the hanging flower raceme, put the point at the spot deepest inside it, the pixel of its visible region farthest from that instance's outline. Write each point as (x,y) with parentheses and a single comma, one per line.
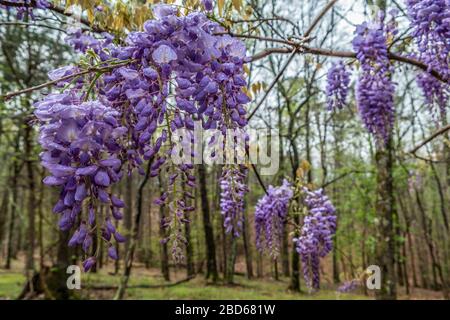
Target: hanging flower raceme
(233,190)
(81,152)
(178,70)
(431,30)
(270,216)
(436,92)
(430,23)
(25,8)
(338,80)
(375,89)
(316,235)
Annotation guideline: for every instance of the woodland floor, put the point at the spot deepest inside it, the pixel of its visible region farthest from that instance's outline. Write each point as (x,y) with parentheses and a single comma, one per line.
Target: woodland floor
(12,281)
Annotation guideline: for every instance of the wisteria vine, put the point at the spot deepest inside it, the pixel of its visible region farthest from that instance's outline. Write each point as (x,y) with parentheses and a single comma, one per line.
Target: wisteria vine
(316,235)
(430,22)
(375,89)
(338,81)
(271,214)
(176,71)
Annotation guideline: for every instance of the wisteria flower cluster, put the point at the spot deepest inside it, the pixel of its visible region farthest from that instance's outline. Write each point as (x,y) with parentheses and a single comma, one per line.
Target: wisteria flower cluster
(375,89)
(349,286)
(24,8)
(338,80)
(430,22)
(82,153)
(316,235)
(270,217)
(180,69)
(233,189)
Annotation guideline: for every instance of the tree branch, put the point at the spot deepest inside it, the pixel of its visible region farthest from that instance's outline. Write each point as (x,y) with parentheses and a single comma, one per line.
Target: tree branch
(68,77)
(430,138)
(346,54)
(54,8)
(319,17)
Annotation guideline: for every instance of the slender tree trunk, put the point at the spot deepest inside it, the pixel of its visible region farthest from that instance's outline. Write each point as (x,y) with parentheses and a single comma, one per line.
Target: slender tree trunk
(211,264)
(128,211)
(56,282)
(3,216)
(247,247)
(407,244)
(133,239)
(285,252)
(14,204)
(295,275)
(385,206)
(436,266)
(231,261)
(190,269)
(41,226)
(28,139)
(163,235)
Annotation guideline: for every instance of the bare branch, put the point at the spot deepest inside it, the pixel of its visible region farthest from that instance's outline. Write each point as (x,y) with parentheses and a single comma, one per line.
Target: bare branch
(347,54)
(319,17)
(54,8)
(68,77)
(430,138)
(274,82)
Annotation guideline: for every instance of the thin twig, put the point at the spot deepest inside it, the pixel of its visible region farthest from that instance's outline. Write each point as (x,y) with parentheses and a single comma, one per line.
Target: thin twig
(274,82)
(346,54)
(430,138)
(54,8)
(319,17)
(68,77)
(25,24)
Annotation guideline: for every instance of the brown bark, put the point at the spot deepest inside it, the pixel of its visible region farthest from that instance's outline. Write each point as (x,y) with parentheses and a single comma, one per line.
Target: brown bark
(211,264)
(28,140)
(385,208)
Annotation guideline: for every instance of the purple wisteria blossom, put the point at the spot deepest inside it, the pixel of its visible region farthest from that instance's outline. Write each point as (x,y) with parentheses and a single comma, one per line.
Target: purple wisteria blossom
(208,5)
(338,80)
(174,72)
(430,22)
(316,235)
(25,7)
(349,286)
(270,216)
(81,152)
(375,89)
(233,191)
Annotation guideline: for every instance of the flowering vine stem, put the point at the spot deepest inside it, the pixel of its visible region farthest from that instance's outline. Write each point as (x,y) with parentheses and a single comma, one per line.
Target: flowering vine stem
(345,54)
(294,46)
(56,9)
(89,70)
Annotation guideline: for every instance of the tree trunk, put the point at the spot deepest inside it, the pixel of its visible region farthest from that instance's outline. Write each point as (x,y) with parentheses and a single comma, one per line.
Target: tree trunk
(14,204)
(133,239)
(295,275)
(385,207)
(231,261)
(3,216)
(163,235)
(56,281)
(190,269)
(211,264)
(247,246)
(28,139)
(128,211)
